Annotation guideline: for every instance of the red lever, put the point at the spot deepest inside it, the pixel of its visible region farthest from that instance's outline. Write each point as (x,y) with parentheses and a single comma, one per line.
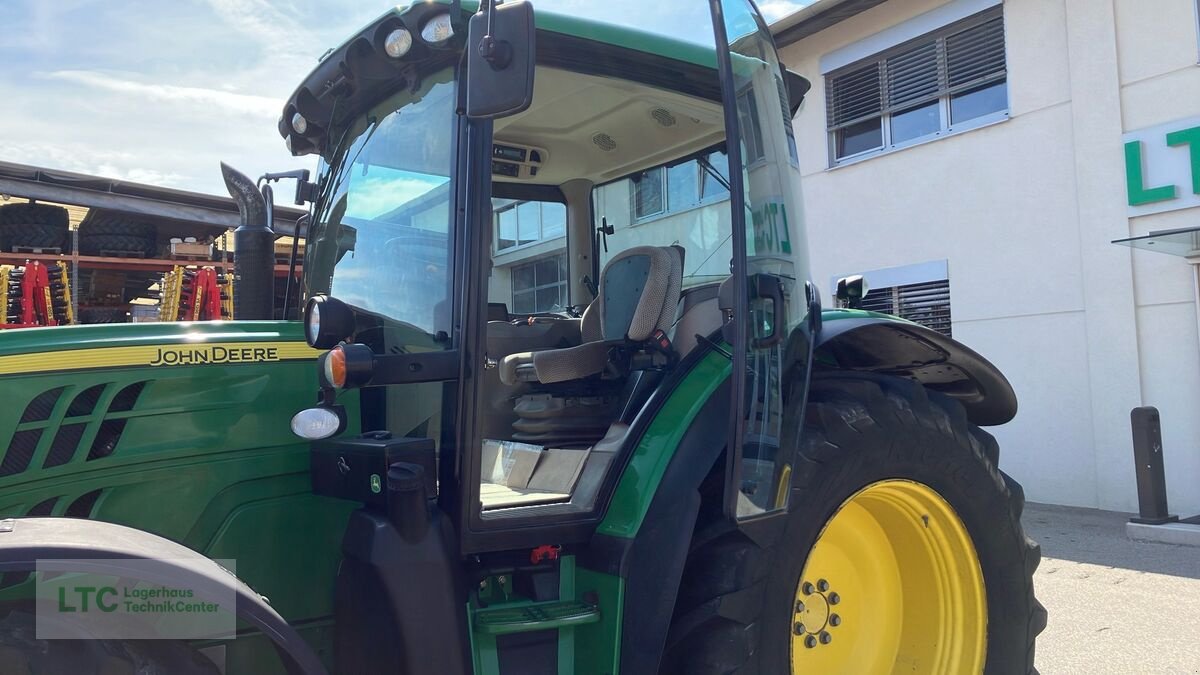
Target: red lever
(544,552)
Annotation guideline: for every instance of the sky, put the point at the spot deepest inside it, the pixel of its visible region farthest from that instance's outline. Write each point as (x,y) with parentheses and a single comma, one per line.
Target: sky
(159,92)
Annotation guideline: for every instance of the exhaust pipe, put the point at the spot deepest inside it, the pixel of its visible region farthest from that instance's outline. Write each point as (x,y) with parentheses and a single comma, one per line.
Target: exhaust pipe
(254,249)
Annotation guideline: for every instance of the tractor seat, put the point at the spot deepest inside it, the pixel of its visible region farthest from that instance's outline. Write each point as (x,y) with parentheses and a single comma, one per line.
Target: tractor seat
(638,294)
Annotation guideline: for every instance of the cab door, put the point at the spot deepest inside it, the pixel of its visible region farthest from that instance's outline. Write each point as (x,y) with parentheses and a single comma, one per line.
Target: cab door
(767,296)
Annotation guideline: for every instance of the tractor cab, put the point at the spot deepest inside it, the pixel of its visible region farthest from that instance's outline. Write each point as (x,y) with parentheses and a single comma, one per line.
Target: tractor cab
(575,257)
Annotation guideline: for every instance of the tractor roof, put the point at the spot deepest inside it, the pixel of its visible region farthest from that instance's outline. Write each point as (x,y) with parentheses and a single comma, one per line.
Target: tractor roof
(357,73)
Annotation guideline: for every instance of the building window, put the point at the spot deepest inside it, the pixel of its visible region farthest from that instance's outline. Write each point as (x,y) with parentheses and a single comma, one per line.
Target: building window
(523,223)
(540,286)
(948,80)
(925,303)
(668,189)
(748,123)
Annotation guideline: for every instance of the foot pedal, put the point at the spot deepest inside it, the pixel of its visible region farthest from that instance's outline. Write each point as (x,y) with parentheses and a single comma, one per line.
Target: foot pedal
(540,616)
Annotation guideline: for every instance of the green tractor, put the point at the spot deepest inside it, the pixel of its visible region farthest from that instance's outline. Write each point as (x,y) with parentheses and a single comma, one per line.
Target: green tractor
(562,399)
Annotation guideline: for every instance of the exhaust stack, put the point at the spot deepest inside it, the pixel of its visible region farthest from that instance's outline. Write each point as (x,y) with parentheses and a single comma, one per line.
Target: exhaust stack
(254,249)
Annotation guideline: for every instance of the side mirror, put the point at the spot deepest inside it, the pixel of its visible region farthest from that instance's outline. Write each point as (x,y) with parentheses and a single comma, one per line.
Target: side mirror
(768,311)
(767,307)
(500,59)
(851,291)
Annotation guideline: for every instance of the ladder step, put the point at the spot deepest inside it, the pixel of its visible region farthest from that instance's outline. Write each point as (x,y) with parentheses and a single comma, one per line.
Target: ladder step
(541,616)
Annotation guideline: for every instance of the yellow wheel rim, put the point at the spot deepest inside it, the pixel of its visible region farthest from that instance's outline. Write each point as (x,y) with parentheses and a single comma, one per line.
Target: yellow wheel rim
(892,585)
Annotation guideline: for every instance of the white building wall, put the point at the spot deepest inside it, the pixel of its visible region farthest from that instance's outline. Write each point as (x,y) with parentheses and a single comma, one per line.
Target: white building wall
(1024,211)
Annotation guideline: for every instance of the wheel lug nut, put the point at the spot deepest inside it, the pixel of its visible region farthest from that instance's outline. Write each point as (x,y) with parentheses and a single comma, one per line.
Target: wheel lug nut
(798,629)
(826,638)
(822,585)
(806,588)
(810,641)
(834,598)
(799,606)
(835,620)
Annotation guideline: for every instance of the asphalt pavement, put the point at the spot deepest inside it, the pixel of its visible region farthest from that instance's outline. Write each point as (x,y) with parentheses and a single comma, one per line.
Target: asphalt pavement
(1115,605)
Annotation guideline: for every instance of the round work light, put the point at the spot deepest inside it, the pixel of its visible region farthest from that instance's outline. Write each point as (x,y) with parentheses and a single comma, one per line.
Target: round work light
(313,424)
(398,42)
(438,29)
(327,321)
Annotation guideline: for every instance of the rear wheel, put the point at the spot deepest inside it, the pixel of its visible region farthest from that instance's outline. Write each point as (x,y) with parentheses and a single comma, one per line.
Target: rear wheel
(902,551)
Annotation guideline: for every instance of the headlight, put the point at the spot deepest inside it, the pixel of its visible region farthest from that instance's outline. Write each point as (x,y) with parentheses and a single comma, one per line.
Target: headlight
(438,29)
(312,324)
(313,424)
(398,42)
(327,321)
(299,123)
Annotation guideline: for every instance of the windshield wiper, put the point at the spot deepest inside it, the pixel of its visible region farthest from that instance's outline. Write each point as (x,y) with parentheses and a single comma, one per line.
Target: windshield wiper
(712,171)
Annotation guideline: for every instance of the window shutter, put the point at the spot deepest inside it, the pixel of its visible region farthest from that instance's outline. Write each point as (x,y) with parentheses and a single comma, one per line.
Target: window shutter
(854,95)
(913,76)
(976,54)
(926,303)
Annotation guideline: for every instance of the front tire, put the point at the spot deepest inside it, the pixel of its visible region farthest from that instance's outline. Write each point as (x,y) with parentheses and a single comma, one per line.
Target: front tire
(899,525)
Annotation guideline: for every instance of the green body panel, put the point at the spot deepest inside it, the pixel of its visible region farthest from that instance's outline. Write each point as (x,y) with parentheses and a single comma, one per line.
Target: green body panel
(828,315)
(598,646)
(202,454)
(639,482)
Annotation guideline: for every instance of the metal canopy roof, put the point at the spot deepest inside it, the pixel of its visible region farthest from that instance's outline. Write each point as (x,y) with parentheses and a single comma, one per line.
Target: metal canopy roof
(817,17)
(20,180)
(1183,242)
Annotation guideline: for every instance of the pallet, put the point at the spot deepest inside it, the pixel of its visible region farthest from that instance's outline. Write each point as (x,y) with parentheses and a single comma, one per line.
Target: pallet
(38,250)
(183,250)
(122,254)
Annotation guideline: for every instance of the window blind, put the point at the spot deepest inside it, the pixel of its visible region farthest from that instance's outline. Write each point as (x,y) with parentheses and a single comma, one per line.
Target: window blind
(959,57)
(925,303)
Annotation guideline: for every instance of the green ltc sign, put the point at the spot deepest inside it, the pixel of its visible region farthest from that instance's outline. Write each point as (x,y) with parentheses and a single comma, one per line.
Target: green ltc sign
(1162,167)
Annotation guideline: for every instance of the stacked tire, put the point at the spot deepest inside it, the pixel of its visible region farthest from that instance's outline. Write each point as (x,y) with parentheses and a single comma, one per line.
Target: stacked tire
(34,226)
(93,315)
(114,234)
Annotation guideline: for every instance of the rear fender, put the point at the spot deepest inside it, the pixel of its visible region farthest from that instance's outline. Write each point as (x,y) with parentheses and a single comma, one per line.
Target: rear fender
(114,549)
(858,341)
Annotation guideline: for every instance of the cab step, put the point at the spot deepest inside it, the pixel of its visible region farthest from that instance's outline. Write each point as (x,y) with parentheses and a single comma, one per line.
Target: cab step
(539,616)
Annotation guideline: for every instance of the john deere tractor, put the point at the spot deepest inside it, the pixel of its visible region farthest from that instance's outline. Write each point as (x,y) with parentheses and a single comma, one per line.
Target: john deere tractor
(562,398)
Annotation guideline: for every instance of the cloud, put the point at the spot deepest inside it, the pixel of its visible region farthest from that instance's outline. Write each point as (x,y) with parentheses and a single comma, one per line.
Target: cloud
(246,104)
(774,10)
(125,166)
(278,35)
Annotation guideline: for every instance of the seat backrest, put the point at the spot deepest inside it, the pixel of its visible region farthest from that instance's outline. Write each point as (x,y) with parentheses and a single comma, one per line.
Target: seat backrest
(639,291)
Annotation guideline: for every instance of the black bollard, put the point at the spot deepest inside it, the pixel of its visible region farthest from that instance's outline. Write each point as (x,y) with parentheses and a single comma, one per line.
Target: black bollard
(1148,467)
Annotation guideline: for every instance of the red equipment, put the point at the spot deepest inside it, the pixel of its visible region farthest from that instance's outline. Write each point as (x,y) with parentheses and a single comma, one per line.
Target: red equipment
(195,295)
(35,295)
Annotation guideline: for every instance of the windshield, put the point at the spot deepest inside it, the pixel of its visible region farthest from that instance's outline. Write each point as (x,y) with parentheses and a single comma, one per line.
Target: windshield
(382,223)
